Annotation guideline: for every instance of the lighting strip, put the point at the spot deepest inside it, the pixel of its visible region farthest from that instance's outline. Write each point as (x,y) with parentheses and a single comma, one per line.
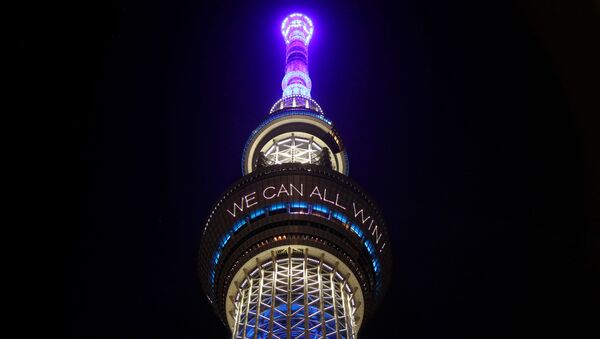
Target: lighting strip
(245,220)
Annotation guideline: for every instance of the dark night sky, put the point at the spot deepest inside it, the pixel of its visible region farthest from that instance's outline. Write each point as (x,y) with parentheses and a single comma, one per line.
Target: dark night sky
(471,123)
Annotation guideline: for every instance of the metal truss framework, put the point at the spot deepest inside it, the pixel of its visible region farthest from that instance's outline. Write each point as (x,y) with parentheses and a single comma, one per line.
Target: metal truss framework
(294,149)
(293,295)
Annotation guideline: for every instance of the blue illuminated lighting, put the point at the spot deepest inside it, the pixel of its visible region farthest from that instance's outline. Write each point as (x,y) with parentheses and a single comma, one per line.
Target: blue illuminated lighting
(340,217)
(320,208)
(220,247)
(239,224)
(257,214)
(357,230)
(370,247)
(225,239)
(298,205)
(376,265)
(283,206)
(297,317)
(276,207)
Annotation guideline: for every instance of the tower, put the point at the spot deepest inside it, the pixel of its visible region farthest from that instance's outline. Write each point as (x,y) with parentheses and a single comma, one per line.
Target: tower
(295,248)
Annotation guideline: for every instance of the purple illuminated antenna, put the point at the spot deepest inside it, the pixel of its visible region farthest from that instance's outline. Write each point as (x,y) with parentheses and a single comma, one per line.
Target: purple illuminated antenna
(297,30)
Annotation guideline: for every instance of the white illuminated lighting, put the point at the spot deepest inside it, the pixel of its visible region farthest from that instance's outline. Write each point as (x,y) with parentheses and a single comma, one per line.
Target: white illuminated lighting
(270,150)
(298,282)
(302,28)
(294,150)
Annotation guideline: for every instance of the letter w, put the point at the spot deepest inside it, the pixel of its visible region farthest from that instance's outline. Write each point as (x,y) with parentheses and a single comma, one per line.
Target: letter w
(237,207)
(362,214)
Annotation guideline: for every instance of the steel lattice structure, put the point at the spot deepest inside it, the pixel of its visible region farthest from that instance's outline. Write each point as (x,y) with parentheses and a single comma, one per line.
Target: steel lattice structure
(295,248)
(293,295)
(294,149)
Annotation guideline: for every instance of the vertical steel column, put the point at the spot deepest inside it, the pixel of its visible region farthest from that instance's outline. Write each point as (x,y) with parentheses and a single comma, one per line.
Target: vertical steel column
(288,320)
(306,310)
(259,301)
(335,310)
(248,303)
(321,303)
(271,315)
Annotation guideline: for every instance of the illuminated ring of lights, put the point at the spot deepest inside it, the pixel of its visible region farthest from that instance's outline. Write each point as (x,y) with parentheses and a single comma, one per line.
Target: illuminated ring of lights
(298,22)
(309,104)
(296,74)
(244,221)
(296,89)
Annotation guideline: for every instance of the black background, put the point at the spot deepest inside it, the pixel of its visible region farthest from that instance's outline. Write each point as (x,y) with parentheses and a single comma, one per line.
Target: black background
(473,124)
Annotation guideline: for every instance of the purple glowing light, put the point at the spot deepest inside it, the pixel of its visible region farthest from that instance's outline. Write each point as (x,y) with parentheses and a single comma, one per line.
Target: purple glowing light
(297,30)
(297,26)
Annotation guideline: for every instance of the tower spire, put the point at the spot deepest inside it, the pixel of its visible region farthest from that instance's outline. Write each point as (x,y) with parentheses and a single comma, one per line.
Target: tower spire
(297,30)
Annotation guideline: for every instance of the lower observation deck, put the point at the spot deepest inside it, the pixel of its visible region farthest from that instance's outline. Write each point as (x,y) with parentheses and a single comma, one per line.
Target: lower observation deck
(308,215)
(296,292)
